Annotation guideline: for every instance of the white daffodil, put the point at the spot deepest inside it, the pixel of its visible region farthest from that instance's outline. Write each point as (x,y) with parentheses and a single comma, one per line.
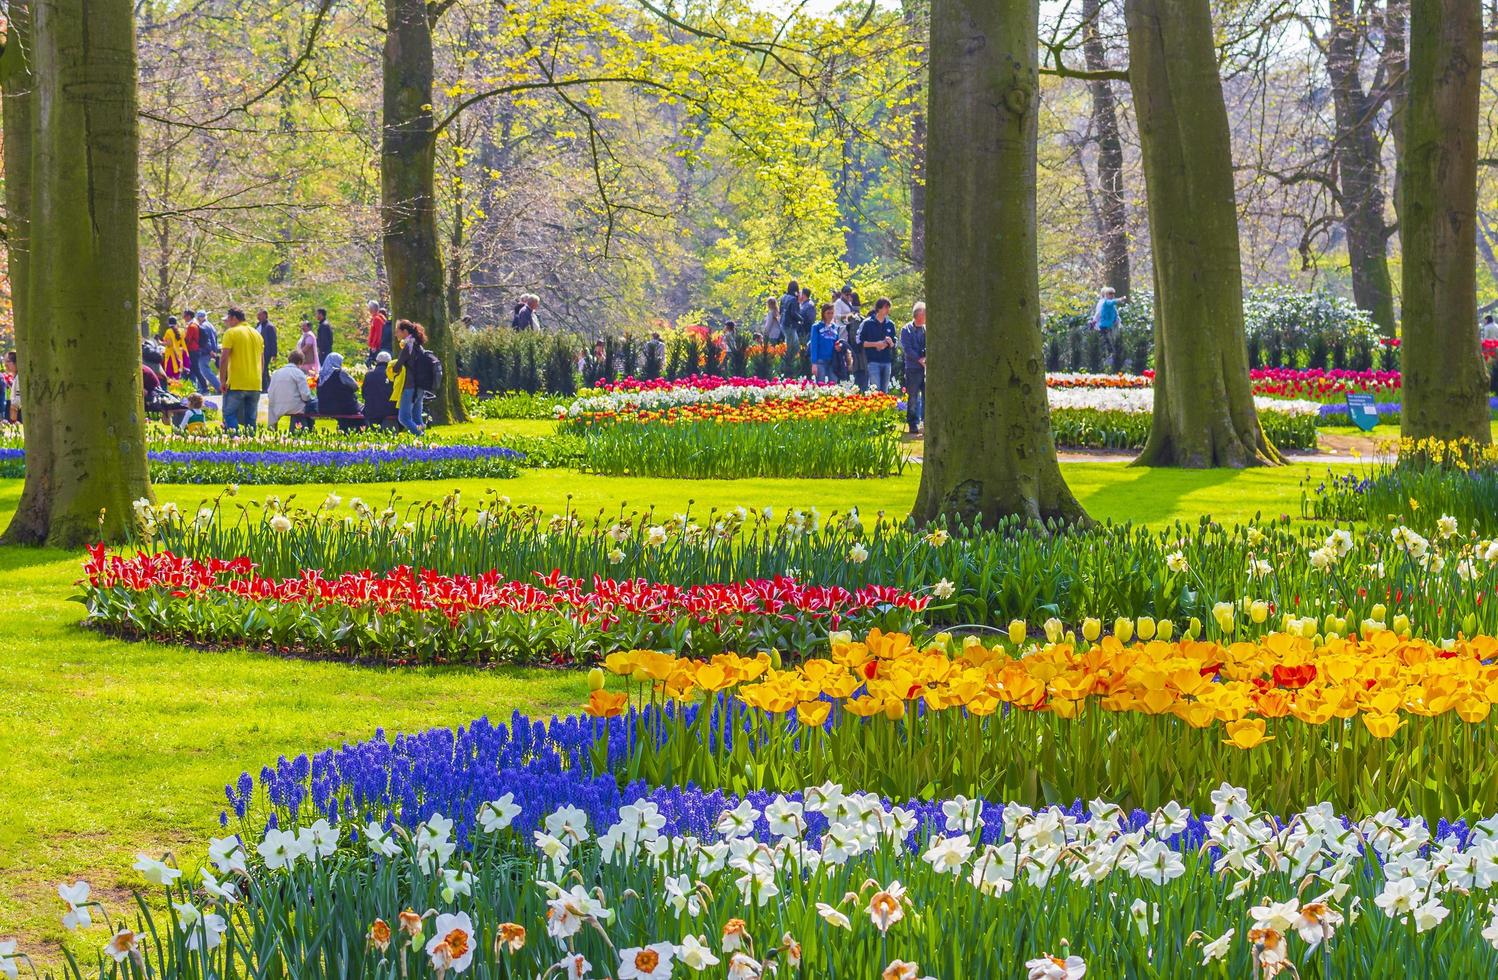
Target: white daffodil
(452,943)
(225,891)
(1217,948)
(651,962)
(948,855)
(1056,968)
(156,872)
(76,897)
(695,954)
(227,855)
(379,841)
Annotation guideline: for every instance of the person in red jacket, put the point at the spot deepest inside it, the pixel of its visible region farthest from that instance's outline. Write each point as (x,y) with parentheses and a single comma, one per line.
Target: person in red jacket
(193,340)
(376,332)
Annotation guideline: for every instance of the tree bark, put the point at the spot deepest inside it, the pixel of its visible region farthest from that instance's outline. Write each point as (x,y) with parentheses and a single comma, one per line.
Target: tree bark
(989,449)
(78,348)
(408,201)
(1204,411)
(916,23)
(1359,167)
(1113,215)
(1445,385)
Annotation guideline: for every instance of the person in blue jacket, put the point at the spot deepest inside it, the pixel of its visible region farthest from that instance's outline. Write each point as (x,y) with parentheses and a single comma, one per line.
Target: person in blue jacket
(823,345)
(1105,322)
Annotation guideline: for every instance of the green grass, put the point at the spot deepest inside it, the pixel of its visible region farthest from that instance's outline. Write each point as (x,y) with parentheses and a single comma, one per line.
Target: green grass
(113,747)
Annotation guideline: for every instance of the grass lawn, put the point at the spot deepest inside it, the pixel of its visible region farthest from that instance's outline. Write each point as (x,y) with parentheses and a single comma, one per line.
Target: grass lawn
(113,747)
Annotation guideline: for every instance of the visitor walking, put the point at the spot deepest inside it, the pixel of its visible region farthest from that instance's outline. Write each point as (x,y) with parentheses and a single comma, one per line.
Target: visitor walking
(311,362)
(192,343)
(272,349)
(655,355)
(877,338)
(208,351)
(324,335)
(12,387)
(288,393)
(376,332)
(524,315)
(913,352)
(842,305)
(790,316)
(174,357)
(772,329)
(1105,322)
(242,365)
(421,375)
(807,313)
(823,346)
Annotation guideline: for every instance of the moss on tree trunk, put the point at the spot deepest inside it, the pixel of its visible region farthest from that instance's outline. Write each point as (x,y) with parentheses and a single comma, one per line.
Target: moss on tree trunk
(1445,384)
(70,146)
(408,200)
(1204,411)
(989,449)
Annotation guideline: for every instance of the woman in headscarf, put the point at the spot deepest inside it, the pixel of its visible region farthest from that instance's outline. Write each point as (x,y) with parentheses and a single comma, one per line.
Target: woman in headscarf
(337,392)
(173,349)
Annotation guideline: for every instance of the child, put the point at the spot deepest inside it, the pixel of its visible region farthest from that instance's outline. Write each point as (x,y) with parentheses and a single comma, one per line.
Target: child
(193,421)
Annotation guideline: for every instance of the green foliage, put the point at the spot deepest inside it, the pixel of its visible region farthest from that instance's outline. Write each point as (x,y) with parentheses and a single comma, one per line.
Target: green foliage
(858,446)
(1092,428)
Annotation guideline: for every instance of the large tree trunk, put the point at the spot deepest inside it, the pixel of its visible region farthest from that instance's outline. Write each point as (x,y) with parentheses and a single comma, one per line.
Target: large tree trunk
(1113,215)
(1359,167)
(989,448)
(408,202)
(917,24)
(1445,386)
(1204,411)
(78,347)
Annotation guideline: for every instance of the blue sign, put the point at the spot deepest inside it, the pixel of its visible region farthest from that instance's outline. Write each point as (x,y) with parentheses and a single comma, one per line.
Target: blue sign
(1363,410)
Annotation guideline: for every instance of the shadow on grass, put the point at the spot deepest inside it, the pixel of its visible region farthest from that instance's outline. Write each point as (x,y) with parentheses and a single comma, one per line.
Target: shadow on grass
(1151,495)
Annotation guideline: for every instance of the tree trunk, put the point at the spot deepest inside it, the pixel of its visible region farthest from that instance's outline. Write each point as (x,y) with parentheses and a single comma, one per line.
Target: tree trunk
(408,202)
(1204,411)
(78,347)
(1113,212)
(916,23)
(989,448)
(1359,167)
(1445,386)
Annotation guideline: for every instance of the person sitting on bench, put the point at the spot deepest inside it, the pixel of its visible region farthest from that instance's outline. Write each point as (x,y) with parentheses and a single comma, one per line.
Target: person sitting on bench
(379,393)
(338,394)
(288,393)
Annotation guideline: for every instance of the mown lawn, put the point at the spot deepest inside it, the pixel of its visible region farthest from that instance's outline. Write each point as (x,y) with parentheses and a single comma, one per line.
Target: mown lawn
(113,747)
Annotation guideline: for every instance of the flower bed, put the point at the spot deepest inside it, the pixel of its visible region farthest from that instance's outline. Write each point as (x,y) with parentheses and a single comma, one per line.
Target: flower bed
(509,851)
(1363,722)
(411,616)
(1437,575)
(702,429)
(1457,480)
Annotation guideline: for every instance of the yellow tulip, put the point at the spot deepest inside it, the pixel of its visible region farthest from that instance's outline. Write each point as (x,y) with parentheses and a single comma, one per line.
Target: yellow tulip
(894,709)
(1193,628)
(1402,624)
(1091,629)
(1165,629)
(1247,733)
(595,679)
(1382,725)
(1123,628)
(813,713)
(1017,631)
(1145,627)
(1379,612)
(1054,629)
(1258,611)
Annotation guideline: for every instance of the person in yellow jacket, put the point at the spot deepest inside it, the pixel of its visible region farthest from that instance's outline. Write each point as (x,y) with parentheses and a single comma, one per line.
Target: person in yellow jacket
(174,348)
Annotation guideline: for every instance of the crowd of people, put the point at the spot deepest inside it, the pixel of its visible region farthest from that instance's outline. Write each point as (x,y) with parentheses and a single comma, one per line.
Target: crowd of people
(312,382)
